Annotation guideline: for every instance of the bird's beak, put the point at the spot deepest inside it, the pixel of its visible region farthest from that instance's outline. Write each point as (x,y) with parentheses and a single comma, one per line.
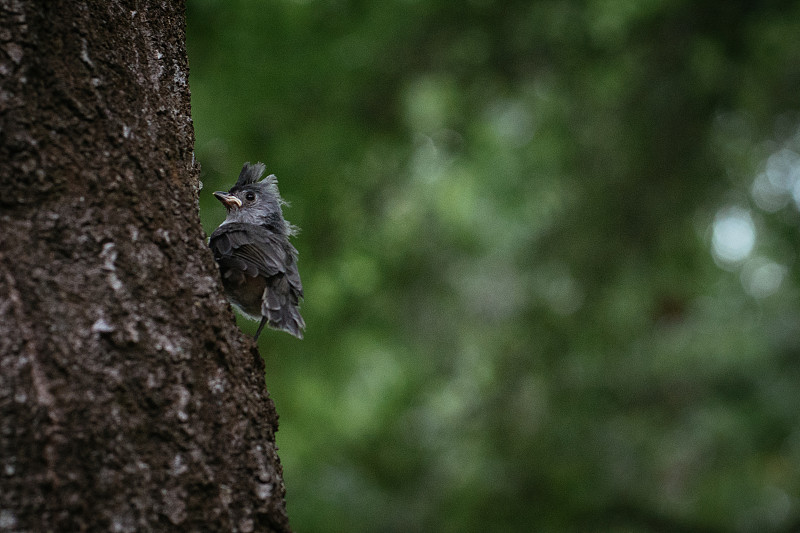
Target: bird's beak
(228,200)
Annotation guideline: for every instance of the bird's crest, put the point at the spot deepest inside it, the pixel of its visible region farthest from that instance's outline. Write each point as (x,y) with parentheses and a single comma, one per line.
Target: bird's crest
(250,174)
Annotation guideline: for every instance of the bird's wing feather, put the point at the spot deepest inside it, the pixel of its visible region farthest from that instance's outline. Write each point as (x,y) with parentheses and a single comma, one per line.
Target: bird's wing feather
(253,249)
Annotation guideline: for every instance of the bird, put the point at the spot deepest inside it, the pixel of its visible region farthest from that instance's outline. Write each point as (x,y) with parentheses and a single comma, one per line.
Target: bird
(257,262)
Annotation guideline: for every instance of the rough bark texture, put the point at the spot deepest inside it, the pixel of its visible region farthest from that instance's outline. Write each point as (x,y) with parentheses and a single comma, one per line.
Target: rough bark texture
(129,400)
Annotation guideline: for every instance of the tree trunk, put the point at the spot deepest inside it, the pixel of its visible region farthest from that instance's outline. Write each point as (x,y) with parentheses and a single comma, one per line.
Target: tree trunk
(129,400)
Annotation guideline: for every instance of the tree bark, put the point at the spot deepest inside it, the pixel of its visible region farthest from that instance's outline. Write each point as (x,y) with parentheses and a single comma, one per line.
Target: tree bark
(129,400)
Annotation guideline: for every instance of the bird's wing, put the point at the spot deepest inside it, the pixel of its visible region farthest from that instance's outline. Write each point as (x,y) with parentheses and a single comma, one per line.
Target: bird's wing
(292,275)
(255,250)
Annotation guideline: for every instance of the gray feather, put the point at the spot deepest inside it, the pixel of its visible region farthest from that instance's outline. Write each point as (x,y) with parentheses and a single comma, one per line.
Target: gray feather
(250,174)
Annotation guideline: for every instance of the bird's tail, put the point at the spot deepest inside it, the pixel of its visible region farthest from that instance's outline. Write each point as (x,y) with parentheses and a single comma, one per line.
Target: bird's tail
(288,320)
(280,308)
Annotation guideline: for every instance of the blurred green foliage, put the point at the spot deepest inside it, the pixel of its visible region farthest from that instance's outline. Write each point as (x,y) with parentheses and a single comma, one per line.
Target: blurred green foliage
(549,251)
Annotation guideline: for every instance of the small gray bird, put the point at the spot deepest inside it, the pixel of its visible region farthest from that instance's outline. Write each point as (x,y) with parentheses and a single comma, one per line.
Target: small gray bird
(252,249)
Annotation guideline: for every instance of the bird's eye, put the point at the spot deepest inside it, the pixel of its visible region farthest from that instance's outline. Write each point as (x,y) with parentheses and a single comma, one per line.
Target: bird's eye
(250,196)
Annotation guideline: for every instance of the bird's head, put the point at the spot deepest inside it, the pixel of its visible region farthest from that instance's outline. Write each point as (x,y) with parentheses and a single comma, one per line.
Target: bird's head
(251,201)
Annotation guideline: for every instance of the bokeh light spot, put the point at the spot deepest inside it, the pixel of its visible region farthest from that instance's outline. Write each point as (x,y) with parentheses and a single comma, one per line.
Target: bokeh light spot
(762,277)
(733,235)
